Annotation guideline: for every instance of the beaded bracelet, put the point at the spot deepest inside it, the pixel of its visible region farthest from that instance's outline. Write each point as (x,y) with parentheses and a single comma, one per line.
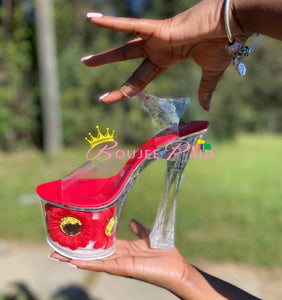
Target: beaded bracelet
(235,47)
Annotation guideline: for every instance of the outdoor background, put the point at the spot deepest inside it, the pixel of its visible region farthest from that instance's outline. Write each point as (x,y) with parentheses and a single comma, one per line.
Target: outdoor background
(229,207)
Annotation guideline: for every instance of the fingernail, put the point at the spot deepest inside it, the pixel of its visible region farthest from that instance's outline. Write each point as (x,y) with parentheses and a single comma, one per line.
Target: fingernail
(52,258)
(103,96)
(208,106)
(206,101)
(86,57)
(72,266)
(209,103)
(94,15)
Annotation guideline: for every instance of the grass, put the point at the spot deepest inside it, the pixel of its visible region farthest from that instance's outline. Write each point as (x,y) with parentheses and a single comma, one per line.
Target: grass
(229,207)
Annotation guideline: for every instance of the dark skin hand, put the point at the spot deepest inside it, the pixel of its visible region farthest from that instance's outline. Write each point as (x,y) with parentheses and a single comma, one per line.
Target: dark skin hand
(165,268)
(197,33)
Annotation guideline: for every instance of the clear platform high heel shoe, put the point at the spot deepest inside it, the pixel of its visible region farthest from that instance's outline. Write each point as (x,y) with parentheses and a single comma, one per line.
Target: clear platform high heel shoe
(82,210)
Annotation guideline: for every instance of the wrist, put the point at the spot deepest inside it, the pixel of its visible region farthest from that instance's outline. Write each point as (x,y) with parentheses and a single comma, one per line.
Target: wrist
(237,11)
(237,27)
(258,16)
(215,24)
(191,285)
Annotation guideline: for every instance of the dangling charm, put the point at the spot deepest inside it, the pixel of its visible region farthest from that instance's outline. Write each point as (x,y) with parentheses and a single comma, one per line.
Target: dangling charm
(241,69)
(240,66)
(239,51)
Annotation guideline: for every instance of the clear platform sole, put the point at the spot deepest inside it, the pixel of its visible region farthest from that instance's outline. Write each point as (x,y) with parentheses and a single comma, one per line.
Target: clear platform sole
(87,253)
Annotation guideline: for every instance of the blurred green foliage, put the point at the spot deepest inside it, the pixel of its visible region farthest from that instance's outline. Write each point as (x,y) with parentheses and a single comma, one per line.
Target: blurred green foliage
(19,109)
(251,104)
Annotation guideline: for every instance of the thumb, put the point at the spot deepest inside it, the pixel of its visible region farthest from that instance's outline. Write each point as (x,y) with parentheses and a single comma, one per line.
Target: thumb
(138,229)
(207,86)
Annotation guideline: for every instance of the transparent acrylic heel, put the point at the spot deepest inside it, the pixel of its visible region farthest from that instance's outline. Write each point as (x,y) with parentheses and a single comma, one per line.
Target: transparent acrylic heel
(162,234)
(165,114)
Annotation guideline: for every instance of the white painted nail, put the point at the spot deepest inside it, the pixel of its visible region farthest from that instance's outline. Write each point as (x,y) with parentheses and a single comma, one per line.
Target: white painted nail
(52,258)
(103,96)
(86,57)
(72,266)
(94,15)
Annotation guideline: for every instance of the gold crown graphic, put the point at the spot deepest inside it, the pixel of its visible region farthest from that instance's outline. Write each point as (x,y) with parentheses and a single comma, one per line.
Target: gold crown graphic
(100,137)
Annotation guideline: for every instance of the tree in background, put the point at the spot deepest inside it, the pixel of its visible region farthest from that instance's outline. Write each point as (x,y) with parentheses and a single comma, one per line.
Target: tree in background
(48,76)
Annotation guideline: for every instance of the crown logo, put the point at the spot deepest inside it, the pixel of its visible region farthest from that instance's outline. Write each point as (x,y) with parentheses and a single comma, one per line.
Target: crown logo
(100,137)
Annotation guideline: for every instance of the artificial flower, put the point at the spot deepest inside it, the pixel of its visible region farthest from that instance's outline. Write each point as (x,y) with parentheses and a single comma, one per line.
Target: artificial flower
(104,227)
(70,228)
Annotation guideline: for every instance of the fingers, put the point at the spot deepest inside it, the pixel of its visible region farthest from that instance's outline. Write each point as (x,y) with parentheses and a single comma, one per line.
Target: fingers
(107,265)
(139,27)
(112,264)
(146,72)
(132,267)
(94,265)
(130,50)
(207,86)
(138,229)
(56,256)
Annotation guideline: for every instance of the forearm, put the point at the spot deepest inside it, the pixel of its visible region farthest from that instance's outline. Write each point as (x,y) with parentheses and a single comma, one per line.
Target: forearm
(229,291)
(198,285)
(259,16)
(193,286)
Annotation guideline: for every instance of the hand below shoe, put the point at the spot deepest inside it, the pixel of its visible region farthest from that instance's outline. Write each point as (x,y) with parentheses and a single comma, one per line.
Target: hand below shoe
(164,268)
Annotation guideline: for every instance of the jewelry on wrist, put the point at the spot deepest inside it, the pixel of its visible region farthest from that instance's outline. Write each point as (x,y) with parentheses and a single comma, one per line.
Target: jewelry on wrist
(235,47)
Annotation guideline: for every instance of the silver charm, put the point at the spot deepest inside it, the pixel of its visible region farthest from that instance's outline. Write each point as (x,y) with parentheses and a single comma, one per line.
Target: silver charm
(239,52)
(240,66)
(241,69)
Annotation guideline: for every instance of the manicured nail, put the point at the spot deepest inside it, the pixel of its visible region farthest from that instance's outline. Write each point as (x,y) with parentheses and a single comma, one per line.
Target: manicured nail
(209,106)
(94,15)
(72,266)
(86,57)
(103,96)
(207,101)
(52,258)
